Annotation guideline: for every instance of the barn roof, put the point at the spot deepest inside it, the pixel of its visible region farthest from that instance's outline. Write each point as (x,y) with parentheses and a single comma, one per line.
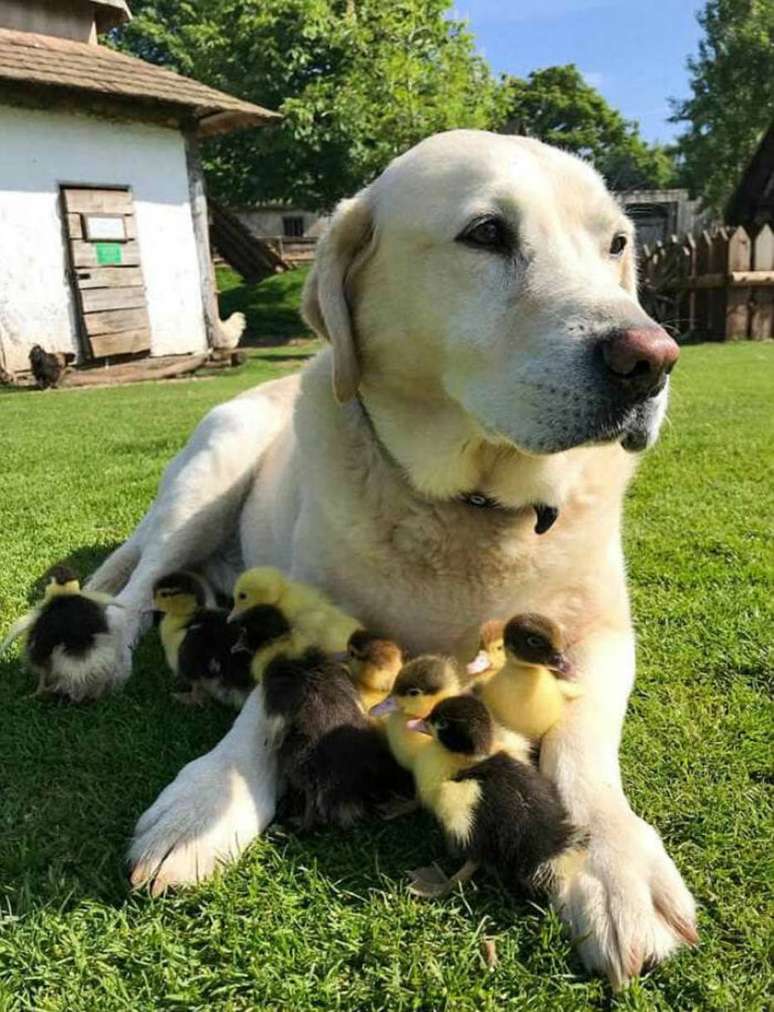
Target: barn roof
(95,72)
(110,13)
(753,200)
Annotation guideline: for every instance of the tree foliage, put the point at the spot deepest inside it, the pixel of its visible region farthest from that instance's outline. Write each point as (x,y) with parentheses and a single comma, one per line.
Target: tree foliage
(357,81)
(732,80)
(558,106)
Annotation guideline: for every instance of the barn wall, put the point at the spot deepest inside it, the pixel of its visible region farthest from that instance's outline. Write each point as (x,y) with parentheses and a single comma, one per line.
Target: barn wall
(40,150)
(267,221)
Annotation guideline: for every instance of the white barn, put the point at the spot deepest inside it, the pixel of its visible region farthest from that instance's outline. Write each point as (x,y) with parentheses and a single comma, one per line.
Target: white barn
(104,250)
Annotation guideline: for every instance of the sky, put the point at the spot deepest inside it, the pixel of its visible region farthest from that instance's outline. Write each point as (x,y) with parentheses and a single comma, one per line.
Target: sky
(634,52)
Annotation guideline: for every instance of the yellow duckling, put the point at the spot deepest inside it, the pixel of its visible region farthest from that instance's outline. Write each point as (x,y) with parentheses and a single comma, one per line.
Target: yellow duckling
(374,664)
(491,651)
(529,693)
(316,620)
(67,640)
(421,684)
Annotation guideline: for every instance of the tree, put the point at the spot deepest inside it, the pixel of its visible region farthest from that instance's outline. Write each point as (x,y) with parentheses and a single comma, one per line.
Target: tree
(558,106)
(732,80)
(358,81)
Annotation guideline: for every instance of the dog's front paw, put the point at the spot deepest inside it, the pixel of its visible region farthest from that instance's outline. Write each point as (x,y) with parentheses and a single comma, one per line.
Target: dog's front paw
(206,817)
(627,907)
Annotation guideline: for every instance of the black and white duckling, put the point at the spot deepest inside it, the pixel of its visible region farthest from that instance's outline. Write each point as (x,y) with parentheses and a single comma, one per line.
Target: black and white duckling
(374,663)
(67,640)
(332,758)
(313,616)
(264,633)
(199,643)
(496,810)
(529,692)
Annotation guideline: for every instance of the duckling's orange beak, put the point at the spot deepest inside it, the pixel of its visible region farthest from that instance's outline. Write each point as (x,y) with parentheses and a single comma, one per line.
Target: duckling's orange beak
(417,724)
(388,705)
(480,663)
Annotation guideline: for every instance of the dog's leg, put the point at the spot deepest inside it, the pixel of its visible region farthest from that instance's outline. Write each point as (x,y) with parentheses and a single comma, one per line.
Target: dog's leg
(212,810)
(195,513)
(627,906)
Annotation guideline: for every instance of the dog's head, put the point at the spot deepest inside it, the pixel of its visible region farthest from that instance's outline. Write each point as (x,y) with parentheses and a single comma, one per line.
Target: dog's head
(501,273)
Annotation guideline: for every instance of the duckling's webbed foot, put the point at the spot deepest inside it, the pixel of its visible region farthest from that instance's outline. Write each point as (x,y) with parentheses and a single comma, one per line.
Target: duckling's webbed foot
(432,883)
(396,808)
(193,697)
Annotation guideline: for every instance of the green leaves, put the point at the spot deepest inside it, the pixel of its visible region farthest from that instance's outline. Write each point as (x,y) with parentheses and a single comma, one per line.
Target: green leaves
(732,79)
(558,106)
(358,81)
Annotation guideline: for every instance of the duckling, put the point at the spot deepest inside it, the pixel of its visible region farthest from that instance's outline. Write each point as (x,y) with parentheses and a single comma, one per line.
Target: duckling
(491,651)
(327,751)
(199,643)
(529,693)
(264,633)
(496,811)
(67,640)
(307,609)
(373,664)
(420,684)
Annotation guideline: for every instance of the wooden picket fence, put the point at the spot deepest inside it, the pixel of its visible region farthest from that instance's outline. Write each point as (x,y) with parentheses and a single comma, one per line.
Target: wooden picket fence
(715,286)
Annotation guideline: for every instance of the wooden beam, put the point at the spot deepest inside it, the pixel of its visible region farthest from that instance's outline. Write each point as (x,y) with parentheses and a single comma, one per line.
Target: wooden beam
(108,277)
(124,342)
(85,253)
(98,299)
(198,198)
(92,201)
(114,321)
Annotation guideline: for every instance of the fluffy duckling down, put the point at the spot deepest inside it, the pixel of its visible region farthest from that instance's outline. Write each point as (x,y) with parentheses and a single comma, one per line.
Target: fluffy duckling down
(421,684)
(491,651)
(314,619)
(529,693)
(495,810)
(67,640)
(330,755)
(374,663)
(199,643)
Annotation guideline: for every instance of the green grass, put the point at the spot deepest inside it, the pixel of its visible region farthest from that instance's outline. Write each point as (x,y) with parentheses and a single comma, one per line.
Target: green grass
(271,307)
(325,922)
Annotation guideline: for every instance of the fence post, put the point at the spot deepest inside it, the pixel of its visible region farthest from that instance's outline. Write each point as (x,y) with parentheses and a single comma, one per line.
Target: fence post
(762,315)
(738,299)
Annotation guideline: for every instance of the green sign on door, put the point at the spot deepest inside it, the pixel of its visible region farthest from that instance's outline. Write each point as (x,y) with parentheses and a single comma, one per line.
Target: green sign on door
(108,252)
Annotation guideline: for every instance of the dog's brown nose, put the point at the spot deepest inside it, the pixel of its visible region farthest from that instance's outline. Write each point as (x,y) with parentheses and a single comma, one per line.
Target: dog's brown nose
(640,357)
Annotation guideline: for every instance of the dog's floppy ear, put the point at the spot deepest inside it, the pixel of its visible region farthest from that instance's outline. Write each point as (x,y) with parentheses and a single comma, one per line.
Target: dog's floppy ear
(325,307)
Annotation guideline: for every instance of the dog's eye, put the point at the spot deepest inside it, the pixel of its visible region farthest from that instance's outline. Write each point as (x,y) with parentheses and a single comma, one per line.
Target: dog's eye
(618,245)
(490,233)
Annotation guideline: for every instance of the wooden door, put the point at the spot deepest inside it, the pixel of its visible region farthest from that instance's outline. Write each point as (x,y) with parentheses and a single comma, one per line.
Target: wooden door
(106,271)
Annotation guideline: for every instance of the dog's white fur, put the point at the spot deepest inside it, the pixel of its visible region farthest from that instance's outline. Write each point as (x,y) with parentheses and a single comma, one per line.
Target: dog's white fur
(477,370)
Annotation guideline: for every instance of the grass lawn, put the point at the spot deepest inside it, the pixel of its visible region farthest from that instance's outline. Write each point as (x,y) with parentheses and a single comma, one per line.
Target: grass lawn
(325,922)
(271,307)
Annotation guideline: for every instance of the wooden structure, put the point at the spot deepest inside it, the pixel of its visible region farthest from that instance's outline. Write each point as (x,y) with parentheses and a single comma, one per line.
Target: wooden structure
(102,196)
(752,203)
(250,256)
(717,286)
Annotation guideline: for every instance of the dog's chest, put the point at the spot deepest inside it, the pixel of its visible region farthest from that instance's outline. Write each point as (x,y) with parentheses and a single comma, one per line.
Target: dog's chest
(430,576)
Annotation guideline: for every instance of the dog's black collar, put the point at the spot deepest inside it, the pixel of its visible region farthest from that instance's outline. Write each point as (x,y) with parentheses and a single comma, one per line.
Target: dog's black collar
(546,516)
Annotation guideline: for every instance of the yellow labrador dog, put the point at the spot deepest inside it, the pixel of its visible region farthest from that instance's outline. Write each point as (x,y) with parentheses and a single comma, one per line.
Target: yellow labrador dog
(460,452)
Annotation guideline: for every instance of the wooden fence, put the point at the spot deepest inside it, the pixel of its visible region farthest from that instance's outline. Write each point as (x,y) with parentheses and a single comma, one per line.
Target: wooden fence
(716,286)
